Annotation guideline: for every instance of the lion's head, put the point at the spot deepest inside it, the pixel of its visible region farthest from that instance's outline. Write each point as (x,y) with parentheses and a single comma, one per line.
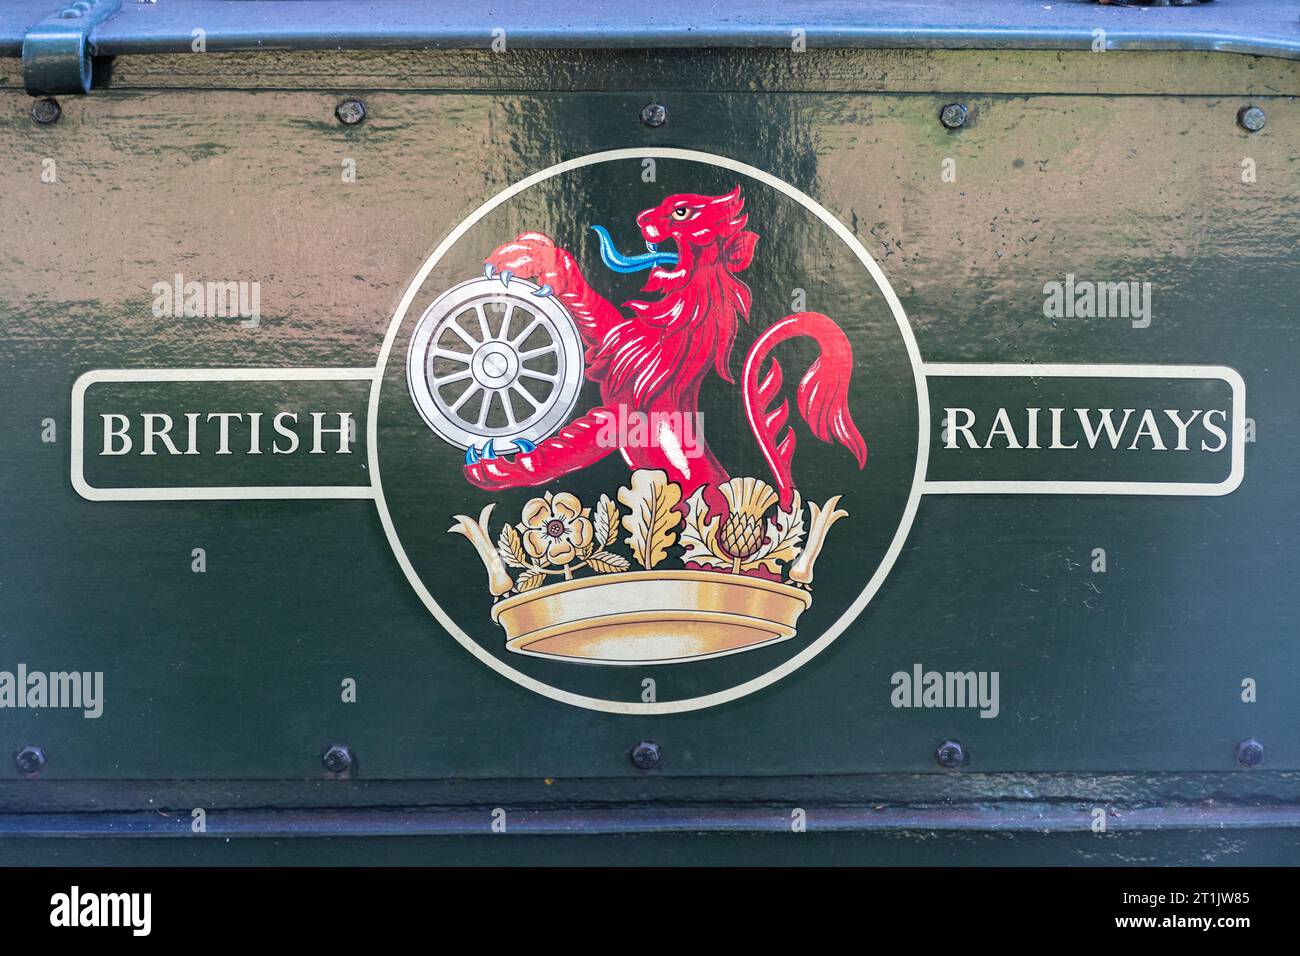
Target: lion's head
(673,340)
(708,231)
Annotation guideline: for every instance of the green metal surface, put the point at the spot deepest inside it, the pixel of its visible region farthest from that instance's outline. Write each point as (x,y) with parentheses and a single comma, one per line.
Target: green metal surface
(222,689)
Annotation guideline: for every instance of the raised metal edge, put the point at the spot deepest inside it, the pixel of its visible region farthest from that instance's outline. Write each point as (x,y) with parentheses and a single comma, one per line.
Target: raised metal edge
(544,821)
(1257,27)
(56,51)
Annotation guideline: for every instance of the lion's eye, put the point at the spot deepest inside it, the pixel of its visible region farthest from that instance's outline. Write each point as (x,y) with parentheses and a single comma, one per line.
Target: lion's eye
(681,212)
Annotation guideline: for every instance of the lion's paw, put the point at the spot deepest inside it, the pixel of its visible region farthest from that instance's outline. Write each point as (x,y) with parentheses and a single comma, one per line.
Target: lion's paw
(532,256)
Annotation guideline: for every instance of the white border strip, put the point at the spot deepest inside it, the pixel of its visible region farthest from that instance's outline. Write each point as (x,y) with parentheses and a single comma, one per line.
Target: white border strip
(200,493)
(1206,489)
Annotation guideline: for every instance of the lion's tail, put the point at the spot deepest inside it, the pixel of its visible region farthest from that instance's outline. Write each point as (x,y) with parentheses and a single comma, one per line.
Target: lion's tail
(822,395)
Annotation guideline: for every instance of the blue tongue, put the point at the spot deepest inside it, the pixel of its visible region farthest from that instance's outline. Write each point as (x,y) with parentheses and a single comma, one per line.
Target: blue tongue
(623,263)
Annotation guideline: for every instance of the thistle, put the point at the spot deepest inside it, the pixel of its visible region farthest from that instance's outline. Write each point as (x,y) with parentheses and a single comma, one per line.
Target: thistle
(741,535)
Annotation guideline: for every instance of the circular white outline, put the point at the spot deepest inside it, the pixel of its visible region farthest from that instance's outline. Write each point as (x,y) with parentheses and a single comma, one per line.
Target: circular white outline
(844,620)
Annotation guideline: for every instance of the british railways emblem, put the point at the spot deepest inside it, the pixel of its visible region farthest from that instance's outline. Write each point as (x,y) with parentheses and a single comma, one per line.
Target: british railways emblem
(649,429)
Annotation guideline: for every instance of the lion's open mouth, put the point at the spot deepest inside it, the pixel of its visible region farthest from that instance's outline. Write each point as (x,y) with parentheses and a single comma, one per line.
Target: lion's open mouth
(621,262)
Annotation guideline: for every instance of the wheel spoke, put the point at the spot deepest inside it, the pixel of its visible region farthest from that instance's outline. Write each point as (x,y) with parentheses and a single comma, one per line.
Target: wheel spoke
(464,336)
(482,321)
(527,330)
(504,396)
(534,353)
(440,381)
(487,406)
(461,357)
(503,335)
(519,389)
(464,396)
(543,376)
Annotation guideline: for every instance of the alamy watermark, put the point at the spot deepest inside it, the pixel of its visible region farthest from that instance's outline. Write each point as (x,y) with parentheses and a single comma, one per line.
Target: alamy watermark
(77,690)
(77,909)
(922,688)
(220,299)
(676,433)
(1086,299)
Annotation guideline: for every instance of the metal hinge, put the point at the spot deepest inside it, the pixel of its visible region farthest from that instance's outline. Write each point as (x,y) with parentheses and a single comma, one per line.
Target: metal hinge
(57,52)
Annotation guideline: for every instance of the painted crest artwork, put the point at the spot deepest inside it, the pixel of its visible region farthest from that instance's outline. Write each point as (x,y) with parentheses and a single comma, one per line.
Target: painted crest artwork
(684,561)
(578,492)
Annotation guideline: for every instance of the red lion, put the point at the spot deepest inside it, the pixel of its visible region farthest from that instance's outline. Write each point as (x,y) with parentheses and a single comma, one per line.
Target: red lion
(655,359)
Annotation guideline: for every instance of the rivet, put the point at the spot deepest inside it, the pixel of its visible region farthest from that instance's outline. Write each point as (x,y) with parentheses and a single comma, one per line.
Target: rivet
(951,755)
(350,112)
(46,110)
(1251,119)
(654,115)
(1250,752)
(30,761)
(645,756)
(954,116)
(338,759)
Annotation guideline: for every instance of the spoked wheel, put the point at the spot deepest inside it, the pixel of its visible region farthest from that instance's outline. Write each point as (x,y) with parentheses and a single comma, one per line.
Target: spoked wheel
(490,362)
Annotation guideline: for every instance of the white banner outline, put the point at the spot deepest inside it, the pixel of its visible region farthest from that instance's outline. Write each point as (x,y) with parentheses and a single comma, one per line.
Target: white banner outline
(1050,487)
(199,492)
(1221,373)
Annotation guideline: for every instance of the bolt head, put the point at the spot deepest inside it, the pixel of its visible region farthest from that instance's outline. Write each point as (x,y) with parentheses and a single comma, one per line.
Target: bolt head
(30,761)
(1251,118)
(46,110)
(645,756)
(954,116)
(338,759)
(350,112)
(950,754)
(654,115)
(1250,752)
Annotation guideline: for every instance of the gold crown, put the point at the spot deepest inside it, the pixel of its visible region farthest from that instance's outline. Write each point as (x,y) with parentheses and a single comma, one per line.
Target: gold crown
(566,591)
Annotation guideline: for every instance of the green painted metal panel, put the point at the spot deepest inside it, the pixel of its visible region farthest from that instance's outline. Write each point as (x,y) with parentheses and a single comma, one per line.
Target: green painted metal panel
(223,688)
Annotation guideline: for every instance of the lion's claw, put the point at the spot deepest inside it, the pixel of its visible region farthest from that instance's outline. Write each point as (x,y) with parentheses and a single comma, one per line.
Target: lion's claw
(544,291)
(488,270)
(505,277)
(489,451)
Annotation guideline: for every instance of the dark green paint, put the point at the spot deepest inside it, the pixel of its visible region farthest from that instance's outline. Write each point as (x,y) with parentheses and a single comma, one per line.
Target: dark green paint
(224,687)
